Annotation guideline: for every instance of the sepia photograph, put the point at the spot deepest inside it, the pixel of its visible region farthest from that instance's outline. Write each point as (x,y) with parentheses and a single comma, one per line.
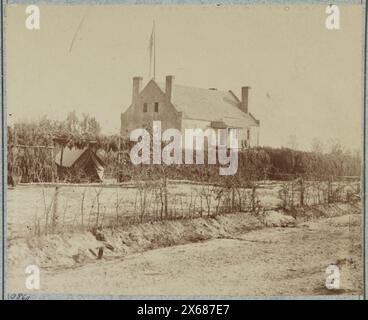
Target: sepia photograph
(184,150)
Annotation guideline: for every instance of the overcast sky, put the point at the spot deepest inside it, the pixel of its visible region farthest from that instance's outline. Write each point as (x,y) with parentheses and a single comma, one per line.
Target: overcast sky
(306,80)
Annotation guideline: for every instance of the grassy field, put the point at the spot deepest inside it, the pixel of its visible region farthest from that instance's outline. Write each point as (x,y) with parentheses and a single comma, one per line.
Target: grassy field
(38,209)
(230,252)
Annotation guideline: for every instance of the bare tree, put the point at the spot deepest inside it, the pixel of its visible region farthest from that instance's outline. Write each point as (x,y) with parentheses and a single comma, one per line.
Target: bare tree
(317,146)
(292,142)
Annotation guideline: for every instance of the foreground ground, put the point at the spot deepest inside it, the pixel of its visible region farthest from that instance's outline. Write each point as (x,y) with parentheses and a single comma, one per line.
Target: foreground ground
(270,261)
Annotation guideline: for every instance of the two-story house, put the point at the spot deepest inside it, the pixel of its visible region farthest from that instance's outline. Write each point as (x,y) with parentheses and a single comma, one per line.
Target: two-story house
(183,107)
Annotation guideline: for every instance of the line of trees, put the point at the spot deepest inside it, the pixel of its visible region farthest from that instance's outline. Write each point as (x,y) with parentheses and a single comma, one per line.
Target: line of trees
(254,164)
(261,163)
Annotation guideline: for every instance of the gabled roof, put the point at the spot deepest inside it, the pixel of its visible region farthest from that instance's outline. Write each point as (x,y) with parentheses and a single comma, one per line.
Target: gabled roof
(70,156)
(209,105)
(84,159)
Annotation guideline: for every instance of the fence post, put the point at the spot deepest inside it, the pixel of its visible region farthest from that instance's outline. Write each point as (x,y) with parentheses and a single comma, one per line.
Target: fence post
(301,192)
(165,195)
(53,165)
(55,209)
(329,190)
(253,198)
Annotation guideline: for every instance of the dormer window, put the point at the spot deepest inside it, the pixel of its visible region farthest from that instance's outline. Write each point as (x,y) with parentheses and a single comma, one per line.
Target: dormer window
(145,107)
(156,106)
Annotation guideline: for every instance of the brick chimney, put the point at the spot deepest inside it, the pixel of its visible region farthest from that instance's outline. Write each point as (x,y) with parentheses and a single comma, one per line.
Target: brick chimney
(137,82)
(169,87)
(244,99)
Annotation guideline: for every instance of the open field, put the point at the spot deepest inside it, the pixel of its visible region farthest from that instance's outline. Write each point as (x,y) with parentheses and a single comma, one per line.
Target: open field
(35,209)
(274,251)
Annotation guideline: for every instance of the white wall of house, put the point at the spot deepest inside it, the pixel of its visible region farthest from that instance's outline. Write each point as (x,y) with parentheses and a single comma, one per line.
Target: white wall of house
(247,136)
(254,136)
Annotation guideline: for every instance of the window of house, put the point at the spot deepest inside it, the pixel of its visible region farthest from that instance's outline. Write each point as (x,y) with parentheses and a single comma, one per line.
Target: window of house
(248,134)
(145,107)
(234,132)
(156,106)
(232,138)
(222,137)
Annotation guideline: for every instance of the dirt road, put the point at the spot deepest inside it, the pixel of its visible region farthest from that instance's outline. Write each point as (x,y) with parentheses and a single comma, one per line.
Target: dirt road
(271,261)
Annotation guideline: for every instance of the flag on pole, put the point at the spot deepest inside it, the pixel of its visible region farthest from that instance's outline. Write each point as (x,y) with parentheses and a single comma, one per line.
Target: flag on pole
(151,49)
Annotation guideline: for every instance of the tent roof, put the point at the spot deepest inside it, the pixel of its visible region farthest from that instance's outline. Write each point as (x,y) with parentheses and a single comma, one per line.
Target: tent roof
(70,156)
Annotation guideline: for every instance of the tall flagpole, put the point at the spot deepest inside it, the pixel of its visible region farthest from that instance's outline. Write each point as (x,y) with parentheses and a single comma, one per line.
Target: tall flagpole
(154,50)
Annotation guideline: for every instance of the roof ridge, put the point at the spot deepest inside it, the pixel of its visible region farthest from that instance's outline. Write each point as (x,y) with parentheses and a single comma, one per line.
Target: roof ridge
(192,87)
(208,105)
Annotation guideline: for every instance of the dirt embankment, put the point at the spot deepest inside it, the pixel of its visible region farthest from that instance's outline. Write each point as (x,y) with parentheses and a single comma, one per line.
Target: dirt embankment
(75,249)
(266,261)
